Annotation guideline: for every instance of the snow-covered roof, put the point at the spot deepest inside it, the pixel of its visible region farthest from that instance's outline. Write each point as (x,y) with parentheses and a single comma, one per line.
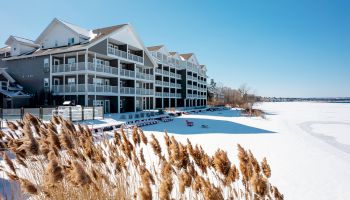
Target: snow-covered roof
(20,40)
(77,29)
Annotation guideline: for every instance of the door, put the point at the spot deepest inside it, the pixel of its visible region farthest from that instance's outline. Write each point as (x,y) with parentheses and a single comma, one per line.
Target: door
(107,106)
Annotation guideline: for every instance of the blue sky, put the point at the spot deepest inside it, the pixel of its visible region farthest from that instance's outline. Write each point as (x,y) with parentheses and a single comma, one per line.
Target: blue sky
(289,48)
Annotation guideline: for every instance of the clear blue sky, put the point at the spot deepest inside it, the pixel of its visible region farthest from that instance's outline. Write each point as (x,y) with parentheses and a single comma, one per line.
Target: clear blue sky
(277,47)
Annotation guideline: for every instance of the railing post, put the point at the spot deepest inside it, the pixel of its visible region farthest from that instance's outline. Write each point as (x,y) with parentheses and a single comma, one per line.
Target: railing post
(41,113)
(82,113)
(22,113)
(70,113)
(1,117)
(93,112)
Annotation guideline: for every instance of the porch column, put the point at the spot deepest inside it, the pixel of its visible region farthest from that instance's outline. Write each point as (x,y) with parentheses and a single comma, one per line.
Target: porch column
(95,77)
(118,84)
(86,79)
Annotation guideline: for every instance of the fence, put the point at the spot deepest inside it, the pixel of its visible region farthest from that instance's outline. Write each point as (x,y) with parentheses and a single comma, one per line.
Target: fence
(73,113)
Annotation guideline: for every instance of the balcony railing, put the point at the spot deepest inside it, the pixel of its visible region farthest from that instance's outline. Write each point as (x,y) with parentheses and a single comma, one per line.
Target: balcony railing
(80,66)
(160,83)
(159,71)
(123,54)
(117,52)
(145,76)
(127,90)
(74,88)
(143,91)
(178,76)
(178,95)
(165,83)
(172,74)
(178,85)
(135,58)
(127,73)
(159,94)
(172,84)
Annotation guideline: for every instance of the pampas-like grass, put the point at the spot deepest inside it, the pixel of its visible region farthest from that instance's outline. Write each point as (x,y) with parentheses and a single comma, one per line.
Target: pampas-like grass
(28,186)
(57,160)
(266,168)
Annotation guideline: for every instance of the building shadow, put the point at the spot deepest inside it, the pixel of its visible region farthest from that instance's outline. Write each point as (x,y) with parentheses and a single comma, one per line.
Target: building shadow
(178,126)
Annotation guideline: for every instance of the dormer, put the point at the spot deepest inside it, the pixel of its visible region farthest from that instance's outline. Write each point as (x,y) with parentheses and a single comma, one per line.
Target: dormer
(60,33)
(20,45)
(190,57)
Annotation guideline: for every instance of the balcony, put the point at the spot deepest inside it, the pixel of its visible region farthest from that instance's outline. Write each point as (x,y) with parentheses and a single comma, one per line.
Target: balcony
(144,76)
(76,88)
(172,84)
(127,73)
(159,94)
(80,66)
(178,85)
(189,86)
(178,76)
(159,83)
(178,95)
(166,83)
(159,71)
(125,55)
(143,91)
(172,74)
(166,72)
(127,90)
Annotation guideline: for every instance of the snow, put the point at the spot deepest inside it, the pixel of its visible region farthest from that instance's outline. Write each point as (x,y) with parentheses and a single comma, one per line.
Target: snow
(306,144)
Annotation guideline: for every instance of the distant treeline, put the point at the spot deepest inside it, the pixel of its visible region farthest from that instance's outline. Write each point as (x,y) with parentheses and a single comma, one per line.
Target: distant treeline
(330,99)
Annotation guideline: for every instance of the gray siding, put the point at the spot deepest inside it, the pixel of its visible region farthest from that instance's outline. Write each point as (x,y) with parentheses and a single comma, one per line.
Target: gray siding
(29,73)
(100,47)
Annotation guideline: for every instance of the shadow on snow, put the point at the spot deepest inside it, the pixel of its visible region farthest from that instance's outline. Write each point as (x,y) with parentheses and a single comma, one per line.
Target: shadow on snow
(178,126)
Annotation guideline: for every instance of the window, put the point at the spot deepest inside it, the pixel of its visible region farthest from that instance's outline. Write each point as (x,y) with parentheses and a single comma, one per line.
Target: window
(71,60)
(70,41)
(46,82)
(71,81)
(98,102)
(46,62)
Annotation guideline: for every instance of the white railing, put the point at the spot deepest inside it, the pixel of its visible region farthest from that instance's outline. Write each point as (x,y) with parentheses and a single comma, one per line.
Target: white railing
(166,72)
(80,66)
(159,94)
(172,94)
(189,86)
(178,85)
(172,74)
(178,95)
(172,84)
(127,73)
(143,91)
(135,58)
(117,52)
(165,83)
(74,88)
(125,55)
(159,82)
(127,90)
(189,77)
(159,71)
(165,94)
(145,76)
(178,76)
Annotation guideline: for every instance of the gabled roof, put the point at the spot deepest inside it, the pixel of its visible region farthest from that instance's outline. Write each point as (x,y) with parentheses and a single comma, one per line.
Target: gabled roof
(101,32)
(77,29)
(20,40)
(186,56)
(155,48)
(5,49)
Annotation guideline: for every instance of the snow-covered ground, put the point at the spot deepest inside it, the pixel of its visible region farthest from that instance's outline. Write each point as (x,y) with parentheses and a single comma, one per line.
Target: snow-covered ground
(306,144)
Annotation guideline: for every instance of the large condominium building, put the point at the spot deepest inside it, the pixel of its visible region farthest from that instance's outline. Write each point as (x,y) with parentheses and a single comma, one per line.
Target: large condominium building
(107,67)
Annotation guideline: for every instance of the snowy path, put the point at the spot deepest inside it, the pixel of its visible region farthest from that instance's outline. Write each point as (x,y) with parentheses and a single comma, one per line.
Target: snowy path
(305,143)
